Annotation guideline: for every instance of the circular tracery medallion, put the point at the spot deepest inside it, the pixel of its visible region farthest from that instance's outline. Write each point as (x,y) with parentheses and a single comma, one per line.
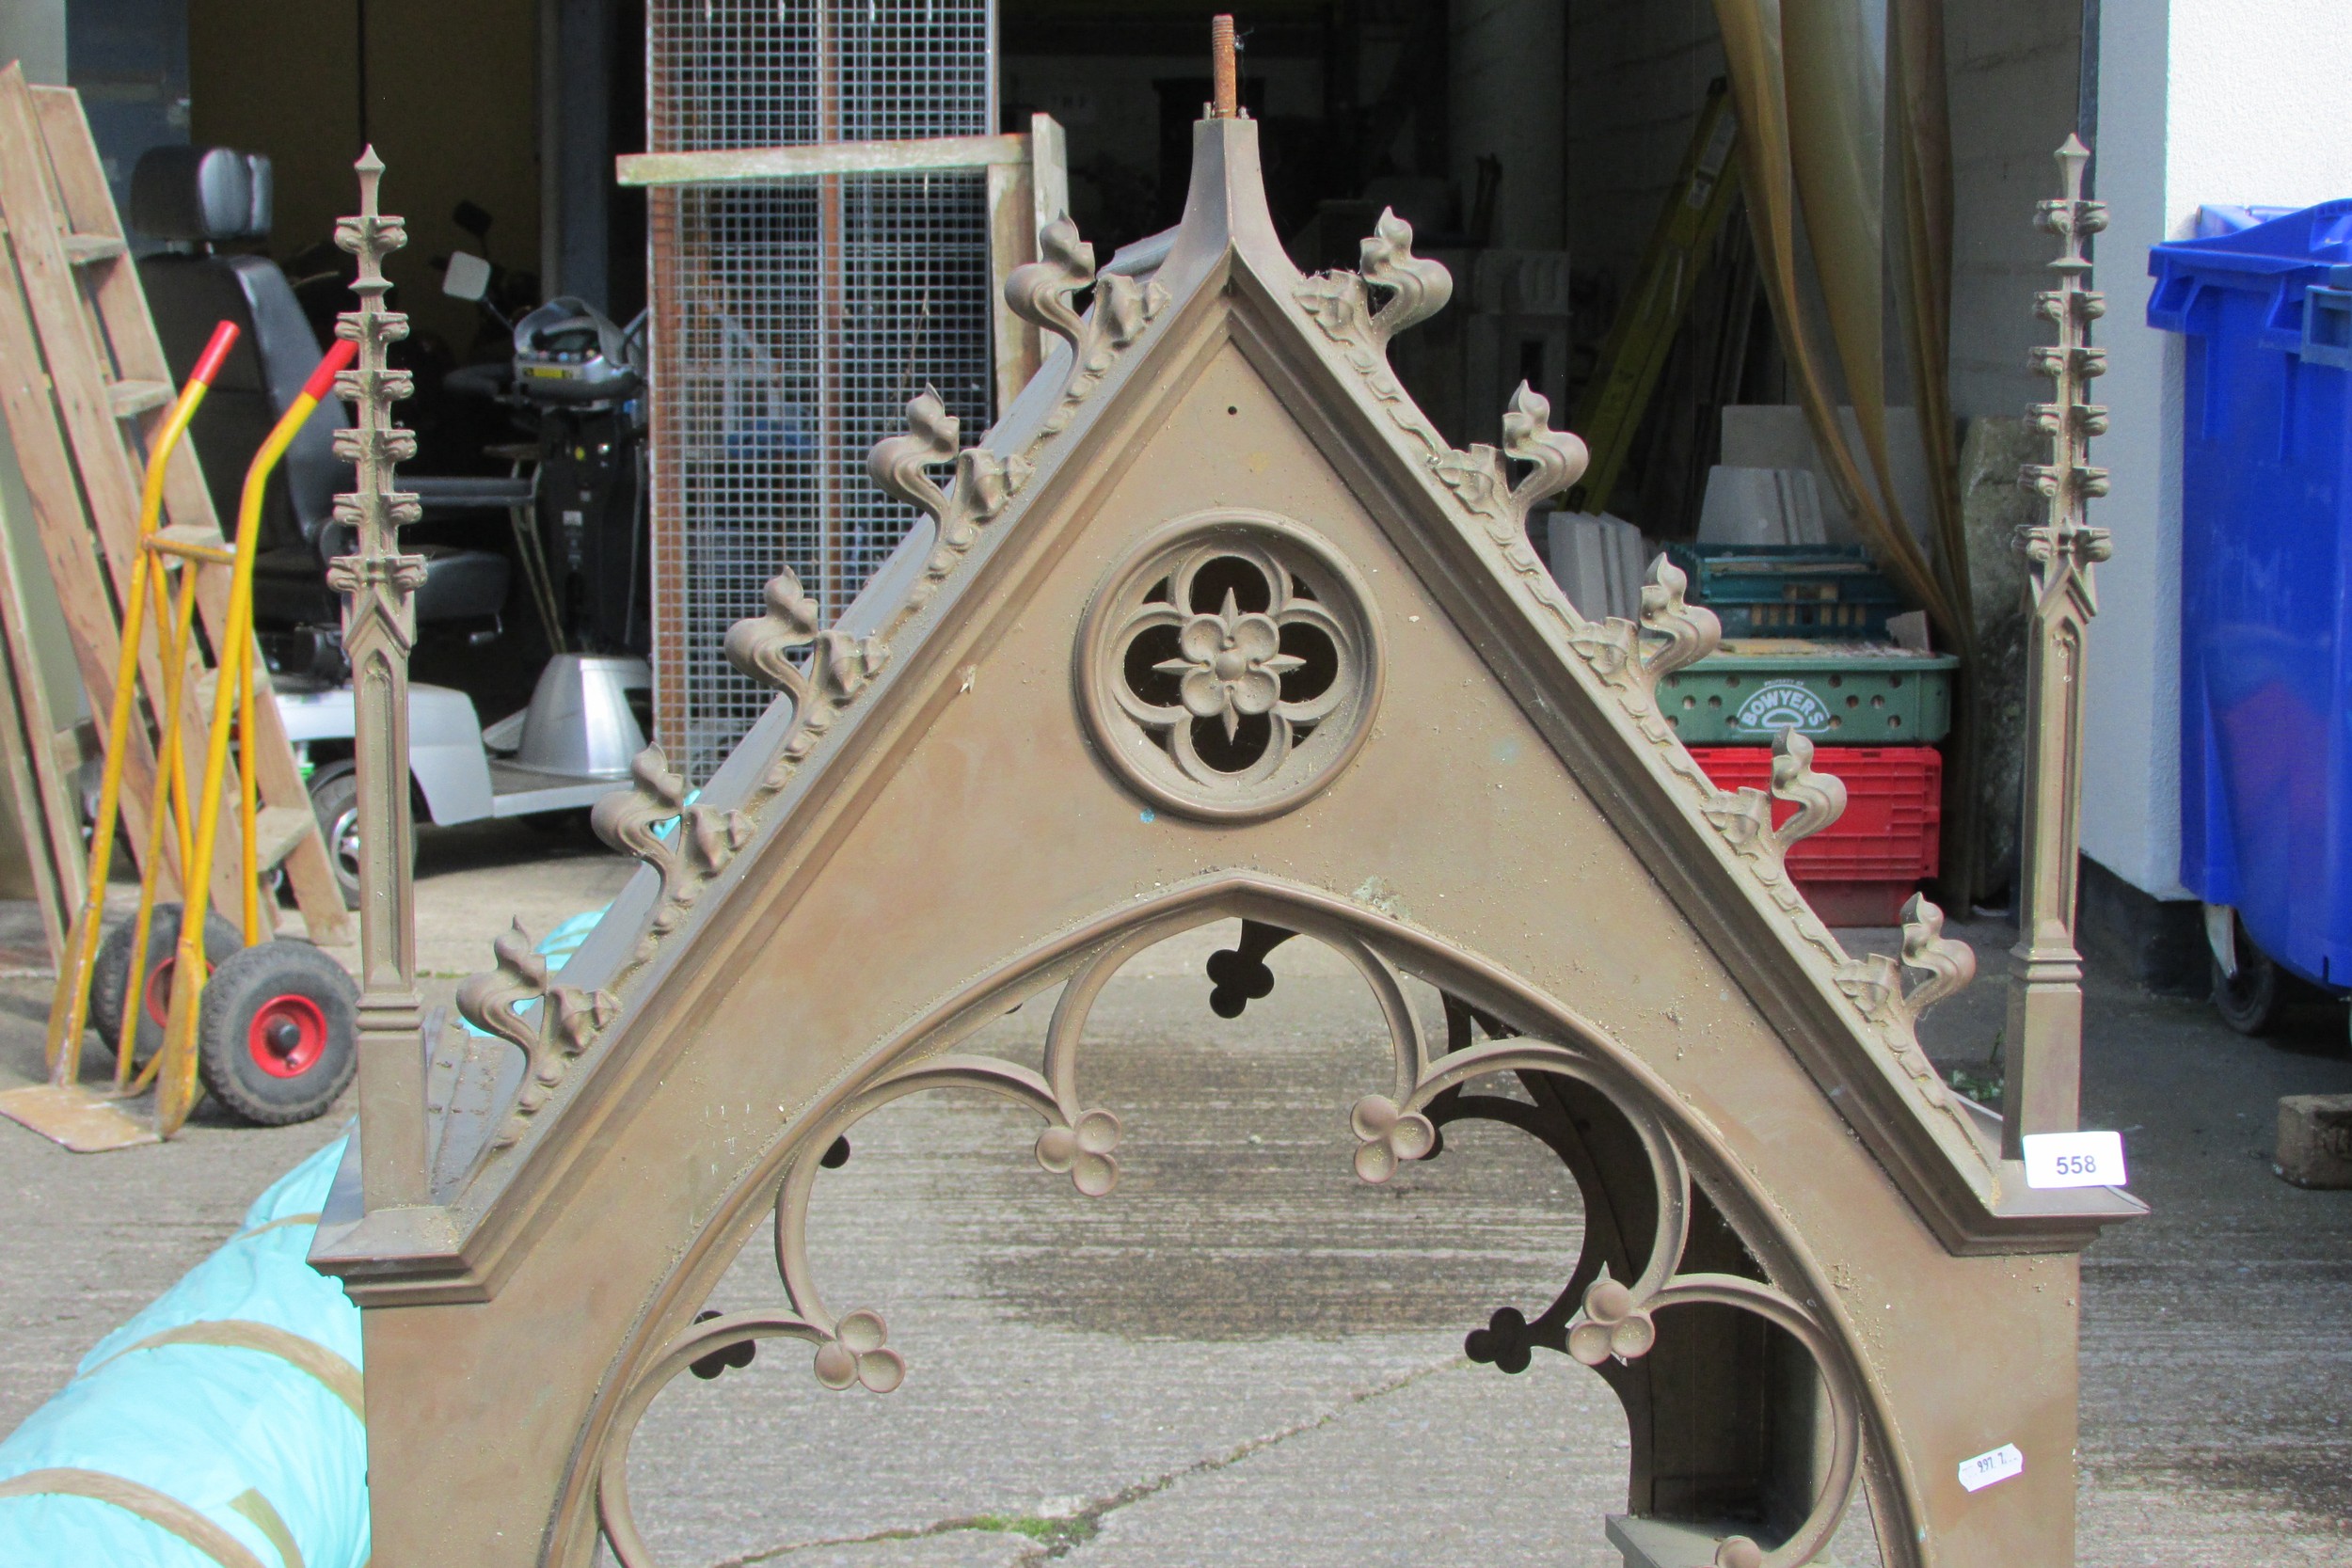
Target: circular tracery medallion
(1230,665)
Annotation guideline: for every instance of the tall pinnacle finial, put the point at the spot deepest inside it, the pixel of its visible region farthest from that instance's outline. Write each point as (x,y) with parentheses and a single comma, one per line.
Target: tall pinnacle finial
(2071,159)
(2043,1093)
(1225,96)
(378,583)
(2069,217)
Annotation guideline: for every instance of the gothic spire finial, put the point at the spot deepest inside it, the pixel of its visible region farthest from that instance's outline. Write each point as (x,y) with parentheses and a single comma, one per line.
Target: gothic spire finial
(2044,1025)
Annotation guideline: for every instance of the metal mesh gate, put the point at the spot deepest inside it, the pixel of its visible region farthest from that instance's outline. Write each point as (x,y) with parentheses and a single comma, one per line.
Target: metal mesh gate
(794,318)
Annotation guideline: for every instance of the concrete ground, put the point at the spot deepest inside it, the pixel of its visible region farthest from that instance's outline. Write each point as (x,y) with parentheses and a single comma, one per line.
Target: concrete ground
(1245,1355)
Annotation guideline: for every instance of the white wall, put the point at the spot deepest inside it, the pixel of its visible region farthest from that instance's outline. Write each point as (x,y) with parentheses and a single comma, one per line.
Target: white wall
(2225,101)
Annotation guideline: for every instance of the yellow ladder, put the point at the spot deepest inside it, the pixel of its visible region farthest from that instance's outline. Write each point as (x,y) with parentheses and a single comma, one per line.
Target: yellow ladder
(1634,352)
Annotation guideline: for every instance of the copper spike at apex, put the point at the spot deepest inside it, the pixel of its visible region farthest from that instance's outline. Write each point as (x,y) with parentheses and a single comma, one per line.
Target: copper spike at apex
(1225,97)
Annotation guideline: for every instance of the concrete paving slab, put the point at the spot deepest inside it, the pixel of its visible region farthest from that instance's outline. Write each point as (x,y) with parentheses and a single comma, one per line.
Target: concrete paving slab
(90,1239)
(2216,1333)
(87,1239)
(982,1544)
(1239,1288)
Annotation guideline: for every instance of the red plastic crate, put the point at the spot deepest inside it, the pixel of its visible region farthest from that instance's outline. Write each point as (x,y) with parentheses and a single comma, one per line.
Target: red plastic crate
(1860,869)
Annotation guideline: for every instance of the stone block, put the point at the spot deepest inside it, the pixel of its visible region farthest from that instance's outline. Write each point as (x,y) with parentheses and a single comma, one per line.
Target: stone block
(2316,1140)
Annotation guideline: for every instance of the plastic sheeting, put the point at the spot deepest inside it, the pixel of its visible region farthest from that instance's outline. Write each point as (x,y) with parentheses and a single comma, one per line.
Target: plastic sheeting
(220,1428)
(559,945)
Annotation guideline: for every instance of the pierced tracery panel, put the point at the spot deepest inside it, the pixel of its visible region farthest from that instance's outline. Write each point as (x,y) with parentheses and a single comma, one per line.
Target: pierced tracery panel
(1596,1318)
(1229,666)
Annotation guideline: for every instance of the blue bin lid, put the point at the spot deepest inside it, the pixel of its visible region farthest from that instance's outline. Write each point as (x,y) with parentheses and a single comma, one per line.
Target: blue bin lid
(2281,258)
(2215,219)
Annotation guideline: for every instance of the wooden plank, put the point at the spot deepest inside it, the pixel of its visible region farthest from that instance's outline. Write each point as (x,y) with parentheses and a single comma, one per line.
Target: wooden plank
(914,155)
(88,249)
(190,536)
(48,815)
(68,745)
(1021,200)
(132,398)
(82,1119)
(1049,170)
(277,832)
(129,329)
(663,468)
(32,779)
(1013,348)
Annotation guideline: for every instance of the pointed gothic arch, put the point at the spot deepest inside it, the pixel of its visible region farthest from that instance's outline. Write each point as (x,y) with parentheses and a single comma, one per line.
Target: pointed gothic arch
(1632,1150)
(1213,622)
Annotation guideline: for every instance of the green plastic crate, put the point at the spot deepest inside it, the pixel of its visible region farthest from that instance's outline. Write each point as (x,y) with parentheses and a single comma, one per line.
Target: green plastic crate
(1842,693)
(1790,590)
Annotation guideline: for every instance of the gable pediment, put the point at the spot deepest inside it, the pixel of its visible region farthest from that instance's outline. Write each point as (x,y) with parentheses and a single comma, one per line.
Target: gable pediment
(1015,734)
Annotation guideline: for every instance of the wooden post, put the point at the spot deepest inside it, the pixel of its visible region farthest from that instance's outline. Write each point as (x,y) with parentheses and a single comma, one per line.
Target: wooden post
(832,589)
(1022,197)
(2044,1033)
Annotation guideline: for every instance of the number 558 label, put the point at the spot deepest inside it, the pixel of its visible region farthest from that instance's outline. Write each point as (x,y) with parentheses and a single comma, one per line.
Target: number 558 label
(2074,1159)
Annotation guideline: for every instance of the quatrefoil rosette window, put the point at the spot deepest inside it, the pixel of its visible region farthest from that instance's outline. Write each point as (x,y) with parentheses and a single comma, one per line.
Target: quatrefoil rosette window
(1230,665)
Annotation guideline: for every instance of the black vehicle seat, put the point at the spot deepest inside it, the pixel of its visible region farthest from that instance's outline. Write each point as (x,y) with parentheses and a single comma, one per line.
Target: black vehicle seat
(192,199)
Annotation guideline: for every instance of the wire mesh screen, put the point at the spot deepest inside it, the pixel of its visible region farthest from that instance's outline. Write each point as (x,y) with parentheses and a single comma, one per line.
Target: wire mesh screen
(793,319)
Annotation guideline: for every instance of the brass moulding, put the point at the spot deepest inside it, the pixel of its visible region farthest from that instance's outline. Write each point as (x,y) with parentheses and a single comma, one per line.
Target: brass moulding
(1656,1198)
(1229,666)
(1153,582)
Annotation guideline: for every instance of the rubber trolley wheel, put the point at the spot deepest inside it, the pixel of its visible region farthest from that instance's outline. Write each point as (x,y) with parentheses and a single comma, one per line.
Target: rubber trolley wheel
(2249,1001)
(110,976)
(2255,1000)
(275,1038)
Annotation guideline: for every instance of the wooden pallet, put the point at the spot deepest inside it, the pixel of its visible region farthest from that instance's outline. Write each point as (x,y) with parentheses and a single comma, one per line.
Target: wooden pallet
(82,381)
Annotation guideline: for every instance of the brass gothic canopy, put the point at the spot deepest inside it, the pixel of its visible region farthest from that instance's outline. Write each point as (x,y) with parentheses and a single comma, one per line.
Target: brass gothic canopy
(1213,624)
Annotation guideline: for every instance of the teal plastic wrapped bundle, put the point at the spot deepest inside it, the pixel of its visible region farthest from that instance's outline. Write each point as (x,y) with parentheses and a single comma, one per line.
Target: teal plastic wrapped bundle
(223,1427)
(559,945)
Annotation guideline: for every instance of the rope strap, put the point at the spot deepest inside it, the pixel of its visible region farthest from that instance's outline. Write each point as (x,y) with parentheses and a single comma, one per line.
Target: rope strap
(166,1513)
(340,1377)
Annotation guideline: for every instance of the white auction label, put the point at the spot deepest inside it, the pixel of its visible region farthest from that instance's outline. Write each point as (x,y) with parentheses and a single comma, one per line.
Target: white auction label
(2074,1159)
(1982,1471)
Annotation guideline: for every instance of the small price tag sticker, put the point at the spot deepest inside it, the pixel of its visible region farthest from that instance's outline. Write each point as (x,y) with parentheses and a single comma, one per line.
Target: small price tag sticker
(1982,1471)
(2074,1159)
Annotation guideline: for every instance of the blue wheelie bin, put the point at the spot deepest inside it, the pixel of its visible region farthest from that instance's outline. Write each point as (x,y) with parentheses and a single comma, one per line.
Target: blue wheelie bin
(2266,591)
